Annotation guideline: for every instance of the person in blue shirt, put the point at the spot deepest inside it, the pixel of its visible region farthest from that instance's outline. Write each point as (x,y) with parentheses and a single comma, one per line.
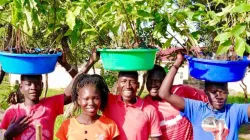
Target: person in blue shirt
(213,120)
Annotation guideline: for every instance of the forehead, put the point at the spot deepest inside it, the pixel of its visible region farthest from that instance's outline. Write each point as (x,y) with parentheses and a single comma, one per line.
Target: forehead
(217,87)
(156,75)
(88,90)
(128,77)
(34,80)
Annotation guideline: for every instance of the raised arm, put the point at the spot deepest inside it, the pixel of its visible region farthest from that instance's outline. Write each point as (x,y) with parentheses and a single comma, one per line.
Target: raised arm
(92,60)
(165,90)
(64,63)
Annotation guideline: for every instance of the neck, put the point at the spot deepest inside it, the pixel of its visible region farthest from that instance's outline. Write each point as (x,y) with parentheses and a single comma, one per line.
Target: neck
(30,103)
(156,98)
(87,120)
(132,101)
(214,109)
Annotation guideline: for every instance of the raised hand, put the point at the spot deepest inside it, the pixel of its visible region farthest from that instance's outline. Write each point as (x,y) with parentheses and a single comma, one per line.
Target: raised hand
(95,56)
(16,127)
(62,59)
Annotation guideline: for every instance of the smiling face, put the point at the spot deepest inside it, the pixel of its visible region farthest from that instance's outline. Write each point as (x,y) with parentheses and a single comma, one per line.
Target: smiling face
(154,82)
(31,87)
(89,100)
(217,95)
(127,86)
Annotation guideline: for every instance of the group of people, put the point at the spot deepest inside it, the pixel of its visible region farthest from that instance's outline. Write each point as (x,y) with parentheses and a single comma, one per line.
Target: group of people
(174,112)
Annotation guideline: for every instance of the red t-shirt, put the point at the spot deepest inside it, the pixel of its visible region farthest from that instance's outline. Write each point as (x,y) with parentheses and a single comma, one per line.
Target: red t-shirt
(136,121)
(174,125)
(44,113)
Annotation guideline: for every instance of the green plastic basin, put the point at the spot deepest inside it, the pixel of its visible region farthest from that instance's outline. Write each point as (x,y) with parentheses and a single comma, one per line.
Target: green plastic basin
(128,59)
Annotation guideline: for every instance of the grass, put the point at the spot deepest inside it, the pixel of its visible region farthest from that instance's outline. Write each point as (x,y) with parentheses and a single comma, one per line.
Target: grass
(5,89)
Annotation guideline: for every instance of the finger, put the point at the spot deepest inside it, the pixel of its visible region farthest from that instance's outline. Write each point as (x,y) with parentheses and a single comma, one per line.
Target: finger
(26,118)
(23,128)
(13,120)
(20,119)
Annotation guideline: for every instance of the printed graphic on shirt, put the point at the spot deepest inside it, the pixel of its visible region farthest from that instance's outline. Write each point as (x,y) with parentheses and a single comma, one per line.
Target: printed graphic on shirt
(30,134)
(218,128)
(101,137)
(171,120)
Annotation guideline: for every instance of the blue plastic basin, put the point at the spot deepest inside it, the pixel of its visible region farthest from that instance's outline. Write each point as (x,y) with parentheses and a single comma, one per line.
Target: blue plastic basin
(29,64)
(217,70)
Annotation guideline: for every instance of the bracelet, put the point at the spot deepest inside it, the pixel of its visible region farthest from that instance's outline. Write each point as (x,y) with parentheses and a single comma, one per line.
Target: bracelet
(71,68)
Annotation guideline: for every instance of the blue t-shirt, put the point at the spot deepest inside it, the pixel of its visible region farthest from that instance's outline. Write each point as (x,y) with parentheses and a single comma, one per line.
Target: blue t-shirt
(210,125)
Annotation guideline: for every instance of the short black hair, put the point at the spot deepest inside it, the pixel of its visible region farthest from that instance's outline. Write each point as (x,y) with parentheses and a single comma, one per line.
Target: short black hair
(218,84)
(25,77)
(84,79)
(157,68)
(128,73)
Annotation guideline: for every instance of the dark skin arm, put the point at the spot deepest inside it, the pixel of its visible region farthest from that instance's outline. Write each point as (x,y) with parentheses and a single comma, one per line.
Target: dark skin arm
(16,127)
(62,60)
(92,60)
(165,90)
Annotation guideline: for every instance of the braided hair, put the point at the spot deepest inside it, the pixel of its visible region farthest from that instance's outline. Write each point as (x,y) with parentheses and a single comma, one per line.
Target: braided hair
(84,79)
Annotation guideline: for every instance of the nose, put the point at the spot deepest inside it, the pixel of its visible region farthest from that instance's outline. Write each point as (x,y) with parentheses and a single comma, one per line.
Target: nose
(33,86)
(90,102)
(219,95)
(127,85)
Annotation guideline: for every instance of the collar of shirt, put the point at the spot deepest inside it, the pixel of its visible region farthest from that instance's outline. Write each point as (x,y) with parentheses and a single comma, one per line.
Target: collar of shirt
(138,104)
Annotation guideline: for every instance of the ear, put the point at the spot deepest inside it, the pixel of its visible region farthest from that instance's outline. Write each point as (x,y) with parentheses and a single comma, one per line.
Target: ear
(42,85)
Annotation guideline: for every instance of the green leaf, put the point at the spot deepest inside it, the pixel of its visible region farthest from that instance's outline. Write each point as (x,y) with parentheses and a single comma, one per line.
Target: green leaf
(70,19)
(223,36)
(35,17)
(143,13)
(240,46)
(238,29)
(91,30)
(89,39)
(3,2)
(28,19)
(167,44)
(241,8)
(73,38)
(77,10)
(223,48)
(68,32)
(247,48)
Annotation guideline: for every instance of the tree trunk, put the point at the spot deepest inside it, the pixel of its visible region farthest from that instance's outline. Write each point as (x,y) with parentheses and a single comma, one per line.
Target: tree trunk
(244,88)
(143,84)
(65,46)
(8,37)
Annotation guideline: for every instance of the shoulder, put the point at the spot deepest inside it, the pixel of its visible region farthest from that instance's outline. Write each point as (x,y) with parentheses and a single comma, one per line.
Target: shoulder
(54,98)
(194,102)
(106,120)
(14,108)
(236,107)
(148,107)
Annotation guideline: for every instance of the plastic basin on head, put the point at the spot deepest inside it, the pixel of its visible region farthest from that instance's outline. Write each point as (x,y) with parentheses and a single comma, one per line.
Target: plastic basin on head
(29,64)
(217,70)
(128,59)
